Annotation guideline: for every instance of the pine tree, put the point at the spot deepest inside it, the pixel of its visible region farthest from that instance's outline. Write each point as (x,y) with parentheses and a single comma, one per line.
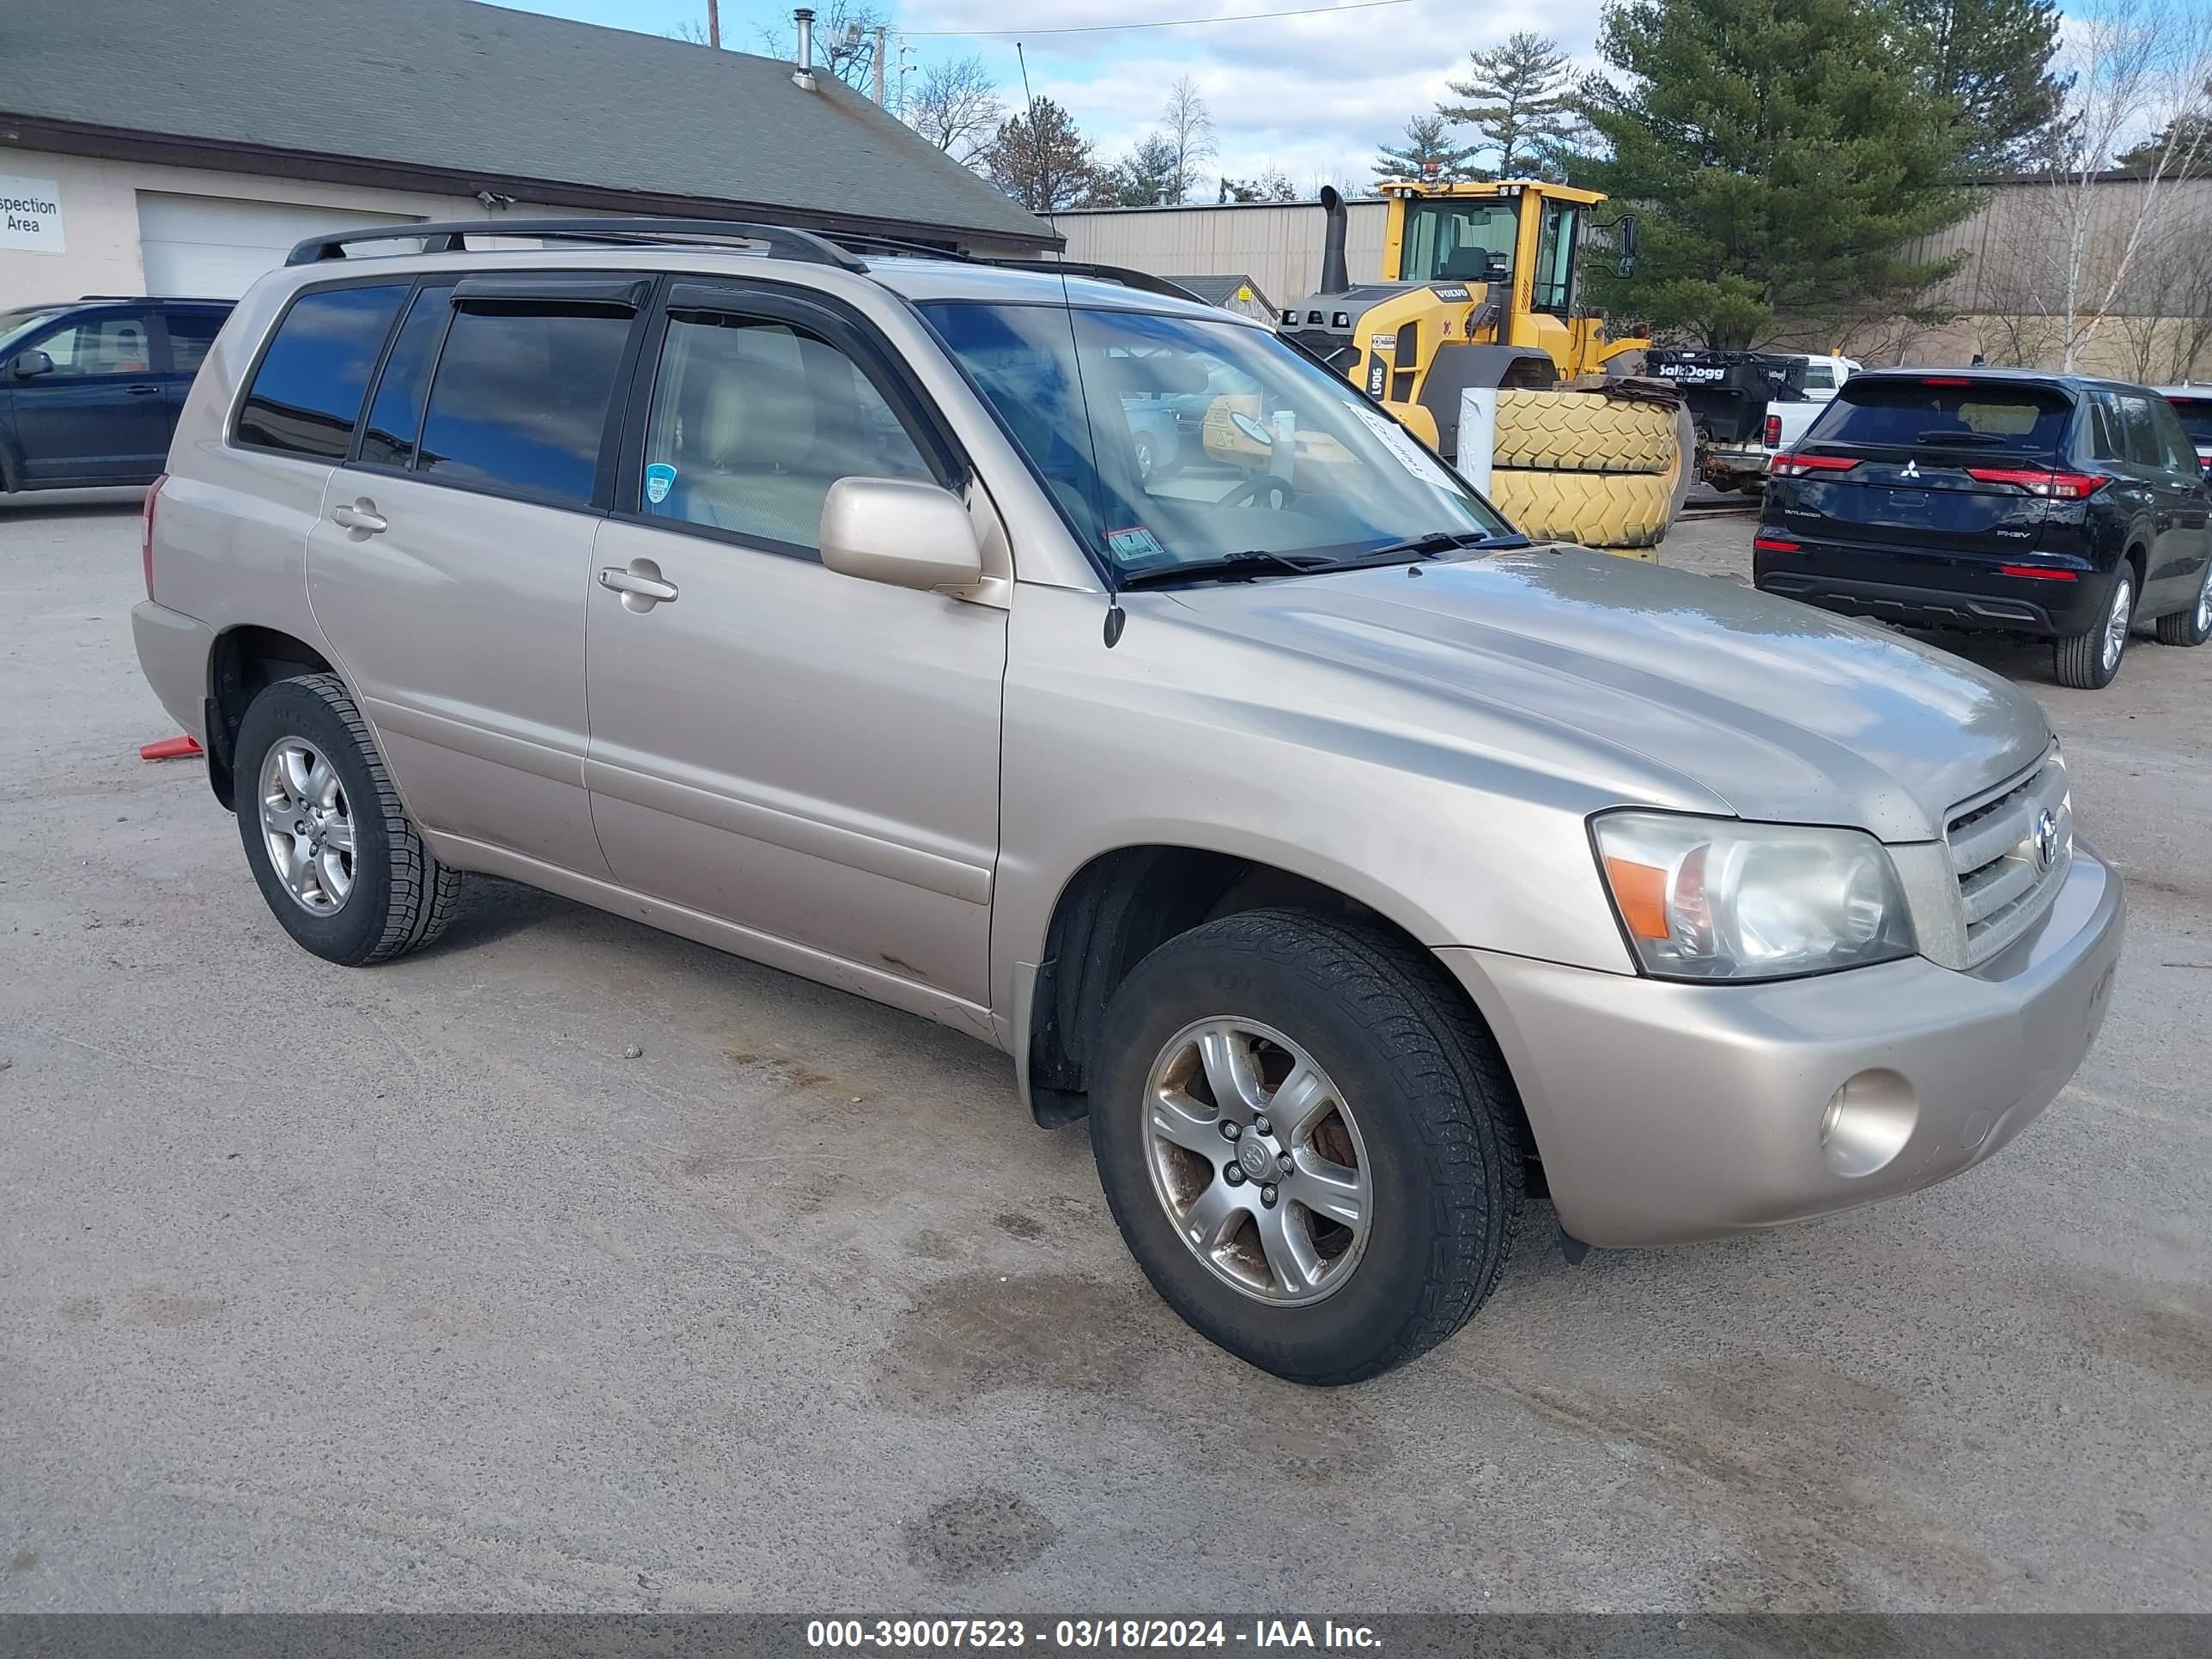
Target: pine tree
(1991,61)
(1520,97)
(1781,153)
(1146,177)
(1041,160)
(1427,154)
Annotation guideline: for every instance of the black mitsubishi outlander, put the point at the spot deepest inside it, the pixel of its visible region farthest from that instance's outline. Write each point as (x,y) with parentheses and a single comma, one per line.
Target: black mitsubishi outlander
(1997,499)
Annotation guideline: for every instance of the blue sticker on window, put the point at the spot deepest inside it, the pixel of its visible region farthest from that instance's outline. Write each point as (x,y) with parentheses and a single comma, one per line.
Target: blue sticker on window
(660,479)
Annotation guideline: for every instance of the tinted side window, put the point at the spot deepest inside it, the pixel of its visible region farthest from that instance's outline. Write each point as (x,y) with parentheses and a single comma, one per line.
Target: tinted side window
(306,394)
(2106,436)
(520,398)
(2181,454)
(191,334)
(752,421)
(395,416)
(2144,446)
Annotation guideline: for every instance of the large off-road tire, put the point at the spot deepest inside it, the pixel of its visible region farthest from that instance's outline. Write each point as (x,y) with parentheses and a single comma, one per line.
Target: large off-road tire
(1598,509)
(2194,625)
(1366,1203)
(2088,662)
(1582,432)
(357,884)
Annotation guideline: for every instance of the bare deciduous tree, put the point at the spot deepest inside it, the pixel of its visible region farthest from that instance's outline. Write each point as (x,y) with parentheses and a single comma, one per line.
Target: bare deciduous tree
(2138,65)
(1189,132)
(958,108)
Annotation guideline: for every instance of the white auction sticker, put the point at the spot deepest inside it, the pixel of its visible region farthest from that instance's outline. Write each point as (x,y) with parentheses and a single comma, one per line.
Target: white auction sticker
(1410,455)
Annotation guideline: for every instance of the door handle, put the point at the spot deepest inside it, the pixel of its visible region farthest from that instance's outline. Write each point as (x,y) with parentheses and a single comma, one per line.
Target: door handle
(362,515)
(641,586)
(142,391)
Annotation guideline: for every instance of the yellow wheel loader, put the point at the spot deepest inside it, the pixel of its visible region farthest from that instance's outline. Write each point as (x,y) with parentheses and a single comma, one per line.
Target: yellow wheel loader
(1478,291)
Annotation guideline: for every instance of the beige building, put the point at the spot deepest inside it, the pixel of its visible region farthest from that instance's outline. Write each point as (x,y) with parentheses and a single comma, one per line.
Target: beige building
(202,150)
(1276,244)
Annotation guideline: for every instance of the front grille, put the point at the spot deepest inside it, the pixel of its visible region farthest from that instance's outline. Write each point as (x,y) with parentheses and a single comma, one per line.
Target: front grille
(2009,872)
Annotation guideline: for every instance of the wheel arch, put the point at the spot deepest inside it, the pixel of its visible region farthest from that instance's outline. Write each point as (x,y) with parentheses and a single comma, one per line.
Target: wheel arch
(1124,903)
(244,661)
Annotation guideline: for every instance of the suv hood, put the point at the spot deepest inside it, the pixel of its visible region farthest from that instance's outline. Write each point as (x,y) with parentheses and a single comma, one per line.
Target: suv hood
(1701,688)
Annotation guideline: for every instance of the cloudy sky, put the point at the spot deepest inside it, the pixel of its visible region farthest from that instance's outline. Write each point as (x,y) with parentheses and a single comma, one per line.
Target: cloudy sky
(1312,95)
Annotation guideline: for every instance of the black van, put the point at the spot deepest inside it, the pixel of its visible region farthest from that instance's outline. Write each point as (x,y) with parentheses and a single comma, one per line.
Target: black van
(90,389)
(2044,504)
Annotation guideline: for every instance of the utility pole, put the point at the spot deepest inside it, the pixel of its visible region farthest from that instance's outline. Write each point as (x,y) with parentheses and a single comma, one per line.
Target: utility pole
(713,25)
(879,65)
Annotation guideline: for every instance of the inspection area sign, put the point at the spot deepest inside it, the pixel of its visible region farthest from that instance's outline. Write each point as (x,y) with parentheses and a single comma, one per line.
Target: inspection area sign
(31,213)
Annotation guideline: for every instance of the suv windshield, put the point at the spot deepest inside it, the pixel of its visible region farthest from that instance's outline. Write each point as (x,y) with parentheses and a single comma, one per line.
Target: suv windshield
(16,323)
(1945,412)
(1170,441)
(1469,241)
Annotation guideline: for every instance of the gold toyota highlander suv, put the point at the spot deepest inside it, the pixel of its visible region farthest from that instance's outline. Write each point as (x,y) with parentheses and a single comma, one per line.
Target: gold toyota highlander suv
(1349,861)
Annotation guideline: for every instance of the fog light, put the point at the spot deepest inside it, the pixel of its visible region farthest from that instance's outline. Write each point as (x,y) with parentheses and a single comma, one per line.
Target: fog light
(1867,1123)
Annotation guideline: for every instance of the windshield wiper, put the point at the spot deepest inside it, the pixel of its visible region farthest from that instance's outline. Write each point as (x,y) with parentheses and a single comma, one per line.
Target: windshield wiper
(1434,545)
(1248,566)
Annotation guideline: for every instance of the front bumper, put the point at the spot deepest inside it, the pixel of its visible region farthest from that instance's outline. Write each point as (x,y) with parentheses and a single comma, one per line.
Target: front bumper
(1667,1112)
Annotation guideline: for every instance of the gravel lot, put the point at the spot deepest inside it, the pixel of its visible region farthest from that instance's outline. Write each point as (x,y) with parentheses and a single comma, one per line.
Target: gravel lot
(401,1288)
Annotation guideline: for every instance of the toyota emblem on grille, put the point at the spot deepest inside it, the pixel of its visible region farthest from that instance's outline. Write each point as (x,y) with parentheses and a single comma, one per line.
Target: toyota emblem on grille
(2047,840)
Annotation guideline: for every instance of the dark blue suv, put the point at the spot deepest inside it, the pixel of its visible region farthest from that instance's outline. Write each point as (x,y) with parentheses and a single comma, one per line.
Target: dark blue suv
(90,388)
(2043,504)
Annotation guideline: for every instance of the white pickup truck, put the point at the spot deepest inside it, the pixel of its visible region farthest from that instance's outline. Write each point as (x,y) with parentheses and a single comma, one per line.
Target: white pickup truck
(1748,406)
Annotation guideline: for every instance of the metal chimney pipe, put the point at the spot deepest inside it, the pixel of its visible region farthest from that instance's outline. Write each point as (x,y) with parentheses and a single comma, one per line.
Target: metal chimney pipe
(803,75)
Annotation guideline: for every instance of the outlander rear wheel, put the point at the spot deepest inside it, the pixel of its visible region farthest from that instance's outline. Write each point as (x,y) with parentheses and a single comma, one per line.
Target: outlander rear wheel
(2194,625)
(1310,1142)
(2088,662)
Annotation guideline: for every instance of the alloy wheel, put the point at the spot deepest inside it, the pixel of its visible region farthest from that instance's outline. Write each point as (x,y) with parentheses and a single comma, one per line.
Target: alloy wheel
(307,825)
(2116,623)
(1257,1159)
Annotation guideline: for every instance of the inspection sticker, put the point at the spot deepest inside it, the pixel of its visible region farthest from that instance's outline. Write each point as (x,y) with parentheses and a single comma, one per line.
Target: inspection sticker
(1136,545)
(660,479)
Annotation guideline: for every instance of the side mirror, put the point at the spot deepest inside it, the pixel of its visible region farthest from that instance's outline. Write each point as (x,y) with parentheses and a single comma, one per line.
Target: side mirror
(1625,233)
(30,365)
(896,530)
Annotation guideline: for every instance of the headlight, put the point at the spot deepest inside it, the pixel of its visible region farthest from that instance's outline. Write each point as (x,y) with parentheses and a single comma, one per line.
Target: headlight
(1711,898)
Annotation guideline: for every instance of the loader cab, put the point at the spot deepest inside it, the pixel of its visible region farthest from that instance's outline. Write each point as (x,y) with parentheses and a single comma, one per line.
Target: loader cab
(1519,232)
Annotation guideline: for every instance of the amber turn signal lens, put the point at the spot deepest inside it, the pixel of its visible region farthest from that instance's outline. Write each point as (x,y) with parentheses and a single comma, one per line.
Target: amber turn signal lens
(1640,892)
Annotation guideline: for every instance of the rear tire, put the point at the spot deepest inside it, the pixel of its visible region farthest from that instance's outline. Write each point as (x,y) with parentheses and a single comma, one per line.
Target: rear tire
(369,894)
(2194,625)
(2088,662)
(1408,1095)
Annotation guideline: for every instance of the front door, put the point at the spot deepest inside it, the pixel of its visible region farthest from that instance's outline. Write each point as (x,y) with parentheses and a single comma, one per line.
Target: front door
(810,757)
(97,416)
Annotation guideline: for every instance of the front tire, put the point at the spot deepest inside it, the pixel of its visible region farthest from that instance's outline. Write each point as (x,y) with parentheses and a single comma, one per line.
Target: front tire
(336,856)
(2088,662)
(2194,625)
(1367,1204)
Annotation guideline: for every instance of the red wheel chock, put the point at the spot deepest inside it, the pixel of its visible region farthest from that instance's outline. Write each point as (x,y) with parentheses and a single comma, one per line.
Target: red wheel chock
(184,747)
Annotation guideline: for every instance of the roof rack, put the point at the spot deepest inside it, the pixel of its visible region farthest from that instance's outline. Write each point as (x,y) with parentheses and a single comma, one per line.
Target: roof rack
(139,299)
(782,241)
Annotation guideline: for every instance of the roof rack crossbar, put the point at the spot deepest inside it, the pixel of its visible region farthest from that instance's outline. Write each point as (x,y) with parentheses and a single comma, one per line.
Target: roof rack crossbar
(782,241)
(1143,281)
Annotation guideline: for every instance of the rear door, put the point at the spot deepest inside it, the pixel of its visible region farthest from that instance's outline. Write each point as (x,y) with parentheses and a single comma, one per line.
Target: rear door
(450,563)
(188,332)
(1938,464)
(96,416)
(2177,567)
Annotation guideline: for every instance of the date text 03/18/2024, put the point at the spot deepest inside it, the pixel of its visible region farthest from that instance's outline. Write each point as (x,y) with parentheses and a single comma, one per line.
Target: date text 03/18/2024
(1083,1635)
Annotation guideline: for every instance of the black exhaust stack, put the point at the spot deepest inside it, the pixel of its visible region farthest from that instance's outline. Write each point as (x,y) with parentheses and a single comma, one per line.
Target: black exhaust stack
(1334,278)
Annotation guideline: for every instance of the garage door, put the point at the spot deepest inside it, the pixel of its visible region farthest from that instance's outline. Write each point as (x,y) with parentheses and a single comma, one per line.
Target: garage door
(214,246)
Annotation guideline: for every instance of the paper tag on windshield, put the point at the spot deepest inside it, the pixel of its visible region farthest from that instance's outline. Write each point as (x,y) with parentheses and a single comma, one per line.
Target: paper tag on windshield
(1410,455)
(1136,546)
